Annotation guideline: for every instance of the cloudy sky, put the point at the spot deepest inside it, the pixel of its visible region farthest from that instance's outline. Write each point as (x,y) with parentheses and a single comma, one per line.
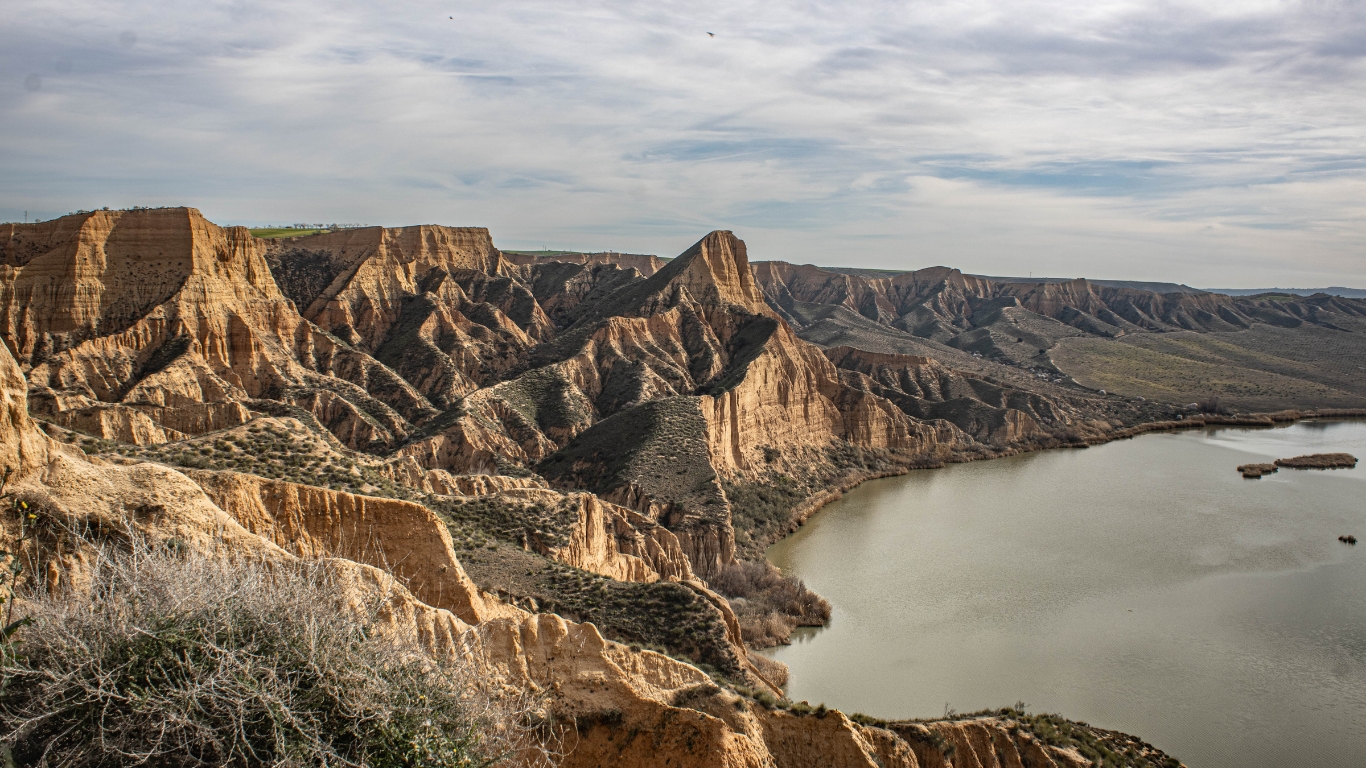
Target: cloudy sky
(1215,143)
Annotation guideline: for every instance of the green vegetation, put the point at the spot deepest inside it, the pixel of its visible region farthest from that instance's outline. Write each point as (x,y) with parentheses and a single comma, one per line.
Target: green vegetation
(660,447)
(181,660)
(278,449)
(544,397)
(664,616)
(302,274)
(270,233)
(533,525)
(762,509)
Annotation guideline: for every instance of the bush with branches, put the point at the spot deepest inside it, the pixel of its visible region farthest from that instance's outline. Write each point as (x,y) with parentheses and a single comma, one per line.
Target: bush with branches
(167,658)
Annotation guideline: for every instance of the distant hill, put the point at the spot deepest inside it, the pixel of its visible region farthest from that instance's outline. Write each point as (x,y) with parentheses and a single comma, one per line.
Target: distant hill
(1137,285)
(1336,290)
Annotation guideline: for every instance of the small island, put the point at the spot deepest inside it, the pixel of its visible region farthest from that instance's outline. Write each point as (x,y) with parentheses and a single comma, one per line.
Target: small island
(1319,461)
(1255,471)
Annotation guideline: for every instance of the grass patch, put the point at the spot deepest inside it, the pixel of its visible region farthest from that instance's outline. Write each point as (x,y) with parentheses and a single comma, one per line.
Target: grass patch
(659,447)
(665,616)
(271,233)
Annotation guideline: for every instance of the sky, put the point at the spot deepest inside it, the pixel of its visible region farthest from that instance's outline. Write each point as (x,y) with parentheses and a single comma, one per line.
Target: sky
(1219,144)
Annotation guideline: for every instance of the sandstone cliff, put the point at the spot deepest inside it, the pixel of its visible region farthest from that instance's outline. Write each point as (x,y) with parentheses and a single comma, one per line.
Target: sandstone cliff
(461,433)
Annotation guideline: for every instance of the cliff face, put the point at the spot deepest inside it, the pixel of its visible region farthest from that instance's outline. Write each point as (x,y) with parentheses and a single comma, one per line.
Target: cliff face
(401,403)
(630,707)
(926,389)
(149,325)
(941,303)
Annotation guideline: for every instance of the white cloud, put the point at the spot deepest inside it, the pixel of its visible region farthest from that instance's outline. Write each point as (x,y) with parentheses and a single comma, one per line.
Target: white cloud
(1202,142)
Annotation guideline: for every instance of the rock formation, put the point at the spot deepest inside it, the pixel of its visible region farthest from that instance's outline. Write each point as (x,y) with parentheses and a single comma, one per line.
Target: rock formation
(460,432)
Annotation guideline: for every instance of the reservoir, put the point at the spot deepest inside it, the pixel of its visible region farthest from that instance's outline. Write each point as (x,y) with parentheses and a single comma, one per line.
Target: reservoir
(1142,586)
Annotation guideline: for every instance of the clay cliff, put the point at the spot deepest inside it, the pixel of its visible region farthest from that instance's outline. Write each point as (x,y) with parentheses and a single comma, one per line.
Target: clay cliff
(400,553)
(544,463)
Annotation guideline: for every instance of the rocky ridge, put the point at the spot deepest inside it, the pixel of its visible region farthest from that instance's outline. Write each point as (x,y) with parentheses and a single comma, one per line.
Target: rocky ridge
(504,436)
(611,693)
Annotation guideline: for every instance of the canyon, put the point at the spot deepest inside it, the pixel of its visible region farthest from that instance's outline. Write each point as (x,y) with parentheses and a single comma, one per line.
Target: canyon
(547,465)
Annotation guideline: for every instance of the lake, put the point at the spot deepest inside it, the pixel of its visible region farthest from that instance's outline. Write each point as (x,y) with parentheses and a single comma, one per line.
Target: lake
(1142,586)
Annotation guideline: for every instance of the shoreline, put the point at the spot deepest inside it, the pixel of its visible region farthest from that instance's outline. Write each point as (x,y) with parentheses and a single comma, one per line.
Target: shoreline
(813,504)
(907,726)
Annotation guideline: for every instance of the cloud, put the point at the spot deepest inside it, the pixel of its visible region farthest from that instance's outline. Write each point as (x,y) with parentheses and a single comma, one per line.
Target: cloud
(1200,142)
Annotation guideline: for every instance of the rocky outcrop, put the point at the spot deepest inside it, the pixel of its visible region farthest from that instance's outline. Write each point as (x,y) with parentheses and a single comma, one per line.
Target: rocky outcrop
(622,544)
(627,707)
(398,537)
(148,325)
(926,389)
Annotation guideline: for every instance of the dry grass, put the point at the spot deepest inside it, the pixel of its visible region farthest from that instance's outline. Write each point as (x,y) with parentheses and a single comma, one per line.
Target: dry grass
(172,659)
(1261,369)
(1319,461)
(768,604)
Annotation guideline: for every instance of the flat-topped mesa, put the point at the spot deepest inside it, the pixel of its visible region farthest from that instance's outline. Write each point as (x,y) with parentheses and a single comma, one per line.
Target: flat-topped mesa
(940,302)
(97,274)
(148,325)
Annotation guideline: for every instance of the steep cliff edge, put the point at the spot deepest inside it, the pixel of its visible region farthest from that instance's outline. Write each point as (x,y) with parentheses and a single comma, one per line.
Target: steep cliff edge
(611,693)
(484,441)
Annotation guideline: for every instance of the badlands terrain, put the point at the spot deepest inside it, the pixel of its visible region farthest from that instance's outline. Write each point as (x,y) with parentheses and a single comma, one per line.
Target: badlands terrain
(566,469)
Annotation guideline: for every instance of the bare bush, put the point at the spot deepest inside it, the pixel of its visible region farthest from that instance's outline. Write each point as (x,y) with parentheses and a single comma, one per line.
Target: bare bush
(172,659)
(768,604)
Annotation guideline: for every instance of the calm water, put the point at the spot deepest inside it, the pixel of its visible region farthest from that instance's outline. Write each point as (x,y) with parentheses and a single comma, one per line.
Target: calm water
(1142,586)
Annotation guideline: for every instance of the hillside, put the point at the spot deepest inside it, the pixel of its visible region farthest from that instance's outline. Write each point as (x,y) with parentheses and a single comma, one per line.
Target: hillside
(585,448)
(1250,353)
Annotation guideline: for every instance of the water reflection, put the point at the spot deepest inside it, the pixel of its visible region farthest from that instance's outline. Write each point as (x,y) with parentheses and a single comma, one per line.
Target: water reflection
(1142,585)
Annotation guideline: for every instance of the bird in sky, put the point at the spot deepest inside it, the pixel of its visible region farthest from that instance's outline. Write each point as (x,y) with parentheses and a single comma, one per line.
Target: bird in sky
(711,34)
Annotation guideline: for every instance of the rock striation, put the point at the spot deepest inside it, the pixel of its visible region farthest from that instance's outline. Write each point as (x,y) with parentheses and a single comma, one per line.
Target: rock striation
(403,403)
(630,707)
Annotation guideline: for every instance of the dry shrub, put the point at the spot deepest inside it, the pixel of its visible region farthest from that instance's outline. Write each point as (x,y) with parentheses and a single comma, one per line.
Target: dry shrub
(768,604)
(773,671)
(172,659)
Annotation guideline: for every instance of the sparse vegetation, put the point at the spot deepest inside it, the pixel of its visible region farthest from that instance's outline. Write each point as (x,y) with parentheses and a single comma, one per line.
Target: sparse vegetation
(665,616)
(768,604)
(169,658)
(659,447)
